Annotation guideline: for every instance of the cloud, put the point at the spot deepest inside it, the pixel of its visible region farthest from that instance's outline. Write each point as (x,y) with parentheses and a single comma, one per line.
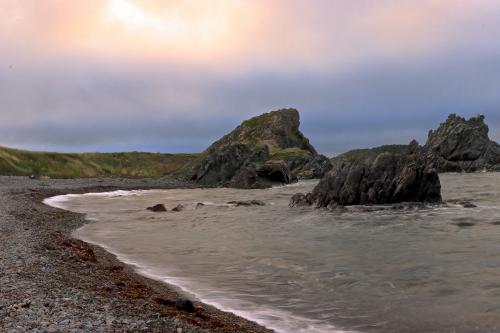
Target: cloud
(362,73)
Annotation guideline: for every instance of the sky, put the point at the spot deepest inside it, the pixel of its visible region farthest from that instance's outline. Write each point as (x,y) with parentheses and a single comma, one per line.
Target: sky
(175,75)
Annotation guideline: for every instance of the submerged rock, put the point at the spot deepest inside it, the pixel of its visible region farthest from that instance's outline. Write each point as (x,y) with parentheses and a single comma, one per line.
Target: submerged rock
(178,208)
(377,177)
(157,208)
(247,203)
(463,145)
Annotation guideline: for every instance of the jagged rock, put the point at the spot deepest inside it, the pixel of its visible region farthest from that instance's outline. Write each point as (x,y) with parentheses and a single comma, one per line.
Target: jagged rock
(301,200)
(378,177)
(276,171)
(178,208)
(230,165)
(463,145)
(157,208)
(277,129)
(309,166)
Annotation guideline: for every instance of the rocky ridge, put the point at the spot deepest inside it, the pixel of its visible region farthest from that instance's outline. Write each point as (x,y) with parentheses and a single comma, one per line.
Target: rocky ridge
(261,151)
(460,145)
(377,176)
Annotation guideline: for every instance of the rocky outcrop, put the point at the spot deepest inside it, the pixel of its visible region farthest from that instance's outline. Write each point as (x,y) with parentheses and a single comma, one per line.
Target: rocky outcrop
(463,145)
(240,165)
(277,129)
(377,176)
(309,166)
(261,151)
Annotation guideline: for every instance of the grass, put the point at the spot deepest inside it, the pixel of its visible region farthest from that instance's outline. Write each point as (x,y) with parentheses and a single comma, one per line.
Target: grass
(72,165)
(289,153)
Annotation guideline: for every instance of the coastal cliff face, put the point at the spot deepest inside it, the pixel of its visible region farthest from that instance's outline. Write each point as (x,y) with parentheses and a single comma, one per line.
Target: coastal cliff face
(463,145)
(262,150)
(382,175)
(277,129)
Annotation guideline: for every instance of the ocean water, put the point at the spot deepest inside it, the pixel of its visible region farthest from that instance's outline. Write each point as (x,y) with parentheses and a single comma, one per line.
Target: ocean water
(433,269)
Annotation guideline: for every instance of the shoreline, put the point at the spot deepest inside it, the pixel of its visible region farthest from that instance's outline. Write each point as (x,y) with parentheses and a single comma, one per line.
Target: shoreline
(59,283)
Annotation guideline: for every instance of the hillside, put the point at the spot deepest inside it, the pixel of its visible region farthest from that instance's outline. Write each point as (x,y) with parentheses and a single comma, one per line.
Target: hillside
(70,165)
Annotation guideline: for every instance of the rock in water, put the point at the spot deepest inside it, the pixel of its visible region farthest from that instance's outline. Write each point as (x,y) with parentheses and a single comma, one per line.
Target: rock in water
(157,208)
(178,208)
(377,177)
(463,145)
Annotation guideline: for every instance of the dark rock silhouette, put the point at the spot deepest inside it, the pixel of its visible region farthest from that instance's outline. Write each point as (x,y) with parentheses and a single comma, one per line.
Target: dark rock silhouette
(377,177)
(157,208)
(463,145)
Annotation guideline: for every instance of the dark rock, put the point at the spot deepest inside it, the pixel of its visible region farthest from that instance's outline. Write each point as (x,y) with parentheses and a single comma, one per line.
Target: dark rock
(275,171)
(379,177)
(463,145)
(157,208)
(300,200)
(178,208)
(231,165)
(247,203)
(199,205)
(464,224)
(308,166)
(185,305)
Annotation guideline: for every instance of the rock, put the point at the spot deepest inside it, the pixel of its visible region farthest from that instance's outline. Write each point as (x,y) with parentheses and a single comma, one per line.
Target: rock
(231,165)
(300,200)
(199,205)
(277,129)
(276,171)
(463,145)
(157,208)
(247,203)
(178,208)
(310,167)
(185,305)
(377,177)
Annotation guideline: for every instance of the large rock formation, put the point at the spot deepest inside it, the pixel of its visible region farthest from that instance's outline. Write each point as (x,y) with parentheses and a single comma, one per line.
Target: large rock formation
(277,129)
(377,176)
(463,145)
(264,149)
(242,166)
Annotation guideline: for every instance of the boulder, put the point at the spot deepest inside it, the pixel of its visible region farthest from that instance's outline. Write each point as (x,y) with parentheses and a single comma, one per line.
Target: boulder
(185,305)
(463,145)
(247,203)
(157,208)
(377,177)
(178,208)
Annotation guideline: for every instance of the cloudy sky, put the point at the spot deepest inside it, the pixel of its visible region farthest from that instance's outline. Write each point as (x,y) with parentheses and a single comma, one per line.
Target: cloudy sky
(174,75)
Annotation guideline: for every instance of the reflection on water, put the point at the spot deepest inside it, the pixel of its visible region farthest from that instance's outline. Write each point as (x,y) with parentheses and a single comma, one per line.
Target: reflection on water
(435,269)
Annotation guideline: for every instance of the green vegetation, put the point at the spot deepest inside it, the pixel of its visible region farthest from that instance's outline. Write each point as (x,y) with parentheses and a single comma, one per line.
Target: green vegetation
(71,165)
(358,154)
(290,153)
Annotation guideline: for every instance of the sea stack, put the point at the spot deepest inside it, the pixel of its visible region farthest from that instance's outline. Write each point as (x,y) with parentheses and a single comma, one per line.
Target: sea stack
(460,145)
(377,177)
(261,151)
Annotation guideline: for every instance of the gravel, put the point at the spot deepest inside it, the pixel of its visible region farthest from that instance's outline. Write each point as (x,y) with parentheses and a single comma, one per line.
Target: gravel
(50,282)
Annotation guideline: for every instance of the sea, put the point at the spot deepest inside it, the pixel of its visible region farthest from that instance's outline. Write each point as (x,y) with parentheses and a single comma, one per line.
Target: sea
(434,268)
